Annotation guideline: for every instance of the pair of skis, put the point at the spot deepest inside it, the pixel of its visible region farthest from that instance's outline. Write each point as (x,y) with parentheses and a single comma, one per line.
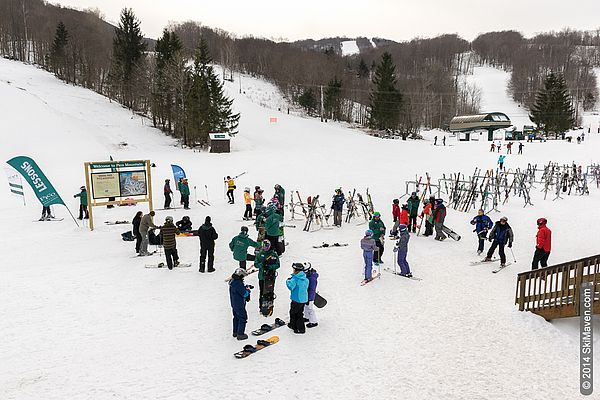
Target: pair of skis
(203,203)
(495,271)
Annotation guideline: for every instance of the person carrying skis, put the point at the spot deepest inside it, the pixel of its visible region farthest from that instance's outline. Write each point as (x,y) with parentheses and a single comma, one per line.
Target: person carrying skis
(239,246)
(280,194)
(83,203)
(248,202)
(298,286)
(146,223)
(377,226)
(272,221)
(259,200)
(500,236)
(239,295)
(207,235)
(267,262)
(309,308)
(413,210)
(230,188)
(401,251)
(501,161)
(396,217)
(169,231)
(338,206)
(439,216)
(521,145)
(368,246)
(185,224)
(136,230)
(483,224)
(543,244)
(167,192)
(427,216)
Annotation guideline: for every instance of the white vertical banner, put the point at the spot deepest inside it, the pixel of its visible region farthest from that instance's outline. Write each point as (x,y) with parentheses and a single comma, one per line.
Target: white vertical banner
(15,183)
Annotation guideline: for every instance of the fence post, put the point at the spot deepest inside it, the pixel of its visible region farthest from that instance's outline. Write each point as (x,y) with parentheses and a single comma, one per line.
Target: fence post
(521,294)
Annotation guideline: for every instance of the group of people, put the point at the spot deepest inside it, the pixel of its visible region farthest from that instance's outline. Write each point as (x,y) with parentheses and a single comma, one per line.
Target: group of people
(184,190)
(498,146)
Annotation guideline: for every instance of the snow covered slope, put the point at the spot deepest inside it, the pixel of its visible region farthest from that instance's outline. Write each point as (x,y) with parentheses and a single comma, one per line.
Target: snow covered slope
(349,48)
(82,318)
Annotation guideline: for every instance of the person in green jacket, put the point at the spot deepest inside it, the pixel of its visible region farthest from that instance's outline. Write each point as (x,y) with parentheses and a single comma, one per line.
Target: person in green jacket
(272,231)
(239,246)
(267,262)
(184,190)
(378,227)
(83,203)
(413,210)
(280,194)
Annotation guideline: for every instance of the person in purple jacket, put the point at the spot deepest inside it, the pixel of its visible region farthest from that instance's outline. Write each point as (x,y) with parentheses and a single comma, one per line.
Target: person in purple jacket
(368,246)
(309,308)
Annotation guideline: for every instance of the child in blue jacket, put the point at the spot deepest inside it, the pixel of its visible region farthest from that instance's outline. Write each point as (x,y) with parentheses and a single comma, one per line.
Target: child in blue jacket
(298,285)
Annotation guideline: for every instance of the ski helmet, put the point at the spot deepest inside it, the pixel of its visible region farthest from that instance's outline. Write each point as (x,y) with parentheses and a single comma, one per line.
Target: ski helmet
(240,272)
(244,229)
(542,221)
(505,219)
(266,245)
(368,233)
(396,201)
(402,227)
(413,194)
(168,219)
(298,266)
(82,188)
(247,189)
(376,214)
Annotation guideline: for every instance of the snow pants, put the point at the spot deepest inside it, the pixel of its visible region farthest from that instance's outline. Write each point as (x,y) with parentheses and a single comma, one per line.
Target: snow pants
(394,231)
(481,236)
(171,256)
(368,257)
(492,249)
(428,228)
(230,195)
(46,212)
(167,200)
(337,217)
(297,317)
(412,223)
(138,242)
(379,251)
(248,212)
(540,256)
(144,244)
(240,317)
(204,252)
(309,312)
(83,210)
(185,199)
(404,267)
(439,231)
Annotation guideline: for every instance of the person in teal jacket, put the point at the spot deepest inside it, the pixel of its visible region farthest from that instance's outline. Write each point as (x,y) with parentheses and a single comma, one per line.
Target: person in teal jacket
(184,189)
(298,286)
(83,203)
(272,232)
(239,246)
(377,226)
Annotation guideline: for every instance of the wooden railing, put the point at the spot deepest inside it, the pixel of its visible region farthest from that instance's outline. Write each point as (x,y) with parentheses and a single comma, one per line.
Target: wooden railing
(553,292)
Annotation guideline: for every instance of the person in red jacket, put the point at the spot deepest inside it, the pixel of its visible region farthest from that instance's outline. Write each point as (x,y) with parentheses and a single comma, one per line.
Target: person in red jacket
(543,244)
(404,217)
(396,216)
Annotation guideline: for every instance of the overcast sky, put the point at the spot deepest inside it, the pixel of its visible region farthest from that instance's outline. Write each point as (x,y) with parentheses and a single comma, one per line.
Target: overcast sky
(392,19)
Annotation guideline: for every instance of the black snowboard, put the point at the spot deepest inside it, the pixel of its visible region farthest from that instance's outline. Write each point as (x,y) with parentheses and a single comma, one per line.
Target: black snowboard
(268,328)
(320,301)
(268,296)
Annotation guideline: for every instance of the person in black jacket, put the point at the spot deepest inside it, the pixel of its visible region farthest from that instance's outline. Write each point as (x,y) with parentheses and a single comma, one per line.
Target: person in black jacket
(136,230)
(207,235)
(185,224)
(500,236)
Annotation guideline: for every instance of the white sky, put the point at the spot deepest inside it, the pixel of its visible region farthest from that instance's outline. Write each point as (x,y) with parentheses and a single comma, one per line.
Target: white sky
(392,19)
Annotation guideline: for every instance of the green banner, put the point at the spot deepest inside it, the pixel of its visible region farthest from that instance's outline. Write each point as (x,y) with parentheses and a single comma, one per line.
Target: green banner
(118,164)
(41,186)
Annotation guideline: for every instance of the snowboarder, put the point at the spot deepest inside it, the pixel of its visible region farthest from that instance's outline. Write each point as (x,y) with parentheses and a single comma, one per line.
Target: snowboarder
(259,200)
(396,217)
(239,294)
(83,203)
(413,210)
(136,230)
(543,244)
(230,188)
(427,216)
(267,262)
(337,206)
(521,145)
(309,309)
(298,286)
(483,224)
(239,246)
(145,224)
(46,213)
(368,246)
(402,251)
(377,226)
(169,231)
(248,203)
(439,216)
(501,161)
(280,194)
(185,224)
(207,235)
(167,192)
(500,236)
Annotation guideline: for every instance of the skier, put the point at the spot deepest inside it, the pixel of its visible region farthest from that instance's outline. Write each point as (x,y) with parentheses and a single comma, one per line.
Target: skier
(83,203)
(396,217)
(298,286)
(377,226)
(509,148)
(136,230)
(168,232)
(239,294)
(185,224)
(145,224)
(280,194)
(402,251)
(337,206)
(498,146)
(483,224)
(368,246)
(46,213)
(435,141)
(248,202)
(521,145)
(167,192)
(259,200)
(184,189)
(439,216)
(492,147)
(427,216)
(207,235)
(230,188)
(500,236)
(239,246)
(272,220)
(444,140)
(543,244)
(501,161)
(267,262)
(413,210)
(309,309)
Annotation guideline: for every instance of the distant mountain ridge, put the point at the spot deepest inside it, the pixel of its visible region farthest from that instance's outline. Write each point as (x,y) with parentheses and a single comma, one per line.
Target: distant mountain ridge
(335,43)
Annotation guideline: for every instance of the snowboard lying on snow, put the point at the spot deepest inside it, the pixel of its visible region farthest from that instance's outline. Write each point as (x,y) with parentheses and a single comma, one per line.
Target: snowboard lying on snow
(163,265)
(260,344)
(331,245)
(268,328)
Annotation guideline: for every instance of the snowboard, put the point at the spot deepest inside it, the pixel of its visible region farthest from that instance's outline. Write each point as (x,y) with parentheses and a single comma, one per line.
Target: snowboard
(148,255)
(391,271)
(184,234)
(451,234)
(260,344)
(268,295)
(373,277)
(164,265)
(319,301)
(501,268)
(331,245)
(116,222)
(267,328)
(48,220)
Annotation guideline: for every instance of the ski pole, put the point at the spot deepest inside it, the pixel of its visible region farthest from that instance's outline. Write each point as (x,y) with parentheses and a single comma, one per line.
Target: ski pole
(195,195)
(513,254)
(206,192)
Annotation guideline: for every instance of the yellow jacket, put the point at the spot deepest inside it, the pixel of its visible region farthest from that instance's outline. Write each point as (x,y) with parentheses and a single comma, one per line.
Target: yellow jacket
(247,198)
(230,184)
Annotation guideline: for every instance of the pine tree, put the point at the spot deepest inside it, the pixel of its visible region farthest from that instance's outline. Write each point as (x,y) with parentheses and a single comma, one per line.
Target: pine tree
(58,51)
(128,57)
(363,69)
(308,101)
(164,89)
(386,100)
(553,110)
(332,101)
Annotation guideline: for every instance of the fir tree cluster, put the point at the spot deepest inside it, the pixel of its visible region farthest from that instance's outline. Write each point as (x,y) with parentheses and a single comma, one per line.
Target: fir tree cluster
(553,110)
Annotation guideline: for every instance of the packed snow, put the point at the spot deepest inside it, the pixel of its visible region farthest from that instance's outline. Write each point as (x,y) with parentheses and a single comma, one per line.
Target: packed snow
(82,318)
(349,48)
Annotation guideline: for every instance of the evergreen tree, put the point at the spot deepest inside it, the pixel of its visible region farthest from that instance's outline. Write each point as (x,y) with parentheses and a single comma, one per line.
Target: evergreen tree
(168,48)
(308,101)
(128,57)
(332,101)
(363,69)
(58,51)
(386,100)
(553,110)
